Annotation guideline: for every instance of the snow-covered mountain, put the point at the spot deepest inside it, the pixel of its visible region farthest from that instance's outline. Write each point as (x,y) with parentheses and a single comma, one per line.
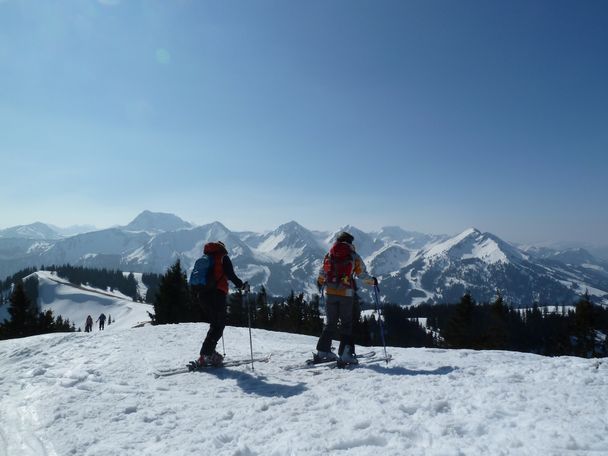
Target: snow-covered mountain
(44,231)
(154,222)
(73,230)
(413,267)
(292,255)
(483,264)
(95,394)
(410,240)
(37,231)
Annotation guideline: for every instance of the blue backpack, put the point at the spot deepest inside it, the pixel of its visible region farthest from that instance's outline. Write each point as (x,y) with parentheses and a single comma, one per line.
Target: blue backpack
(202,274)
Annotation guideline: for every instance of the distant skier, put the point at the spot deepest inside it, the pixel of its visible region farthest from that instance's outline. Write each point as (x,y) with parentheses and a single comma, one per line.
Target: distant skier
(340,265)
(88,327)
(102,321)
(209,280)
(109,319)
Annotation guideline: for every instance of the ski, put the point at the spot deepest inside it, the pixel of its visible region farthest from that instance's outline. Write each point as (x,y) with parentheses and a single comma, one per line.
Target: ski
(192,368)
(367,360)
(311,364)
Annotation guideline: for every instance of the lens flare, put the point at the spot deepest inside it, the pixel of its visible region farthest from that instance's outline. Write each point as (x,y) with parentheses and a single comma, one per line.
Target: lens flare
(163,56)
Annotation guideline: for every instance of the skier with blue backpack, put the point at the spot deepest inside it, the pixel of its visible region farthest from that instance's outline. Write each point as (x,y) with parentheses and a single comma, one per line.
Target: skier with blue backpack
(209,281)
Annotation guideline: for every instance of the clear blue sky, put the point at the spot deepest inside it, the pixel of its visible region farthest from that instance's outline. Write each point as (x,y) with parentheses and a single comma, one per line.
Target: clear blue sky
(431,115)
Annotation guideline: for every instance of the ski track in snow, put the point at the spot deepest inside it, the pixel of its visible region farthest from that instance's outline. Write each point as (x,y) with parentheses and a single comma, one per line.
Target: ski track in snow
(94,394)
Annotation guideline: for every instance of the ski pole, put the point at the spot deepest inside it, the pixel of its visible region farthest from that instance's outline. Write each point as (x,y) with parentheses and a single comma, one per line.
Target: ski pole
(376,293)
(322,289)
(223,346)
(249,320)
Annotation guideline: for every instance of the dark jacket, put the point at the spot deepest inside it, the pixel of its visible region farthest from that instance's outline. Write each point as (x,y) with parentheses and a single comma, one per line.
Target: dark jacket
(223,271)
(229,274)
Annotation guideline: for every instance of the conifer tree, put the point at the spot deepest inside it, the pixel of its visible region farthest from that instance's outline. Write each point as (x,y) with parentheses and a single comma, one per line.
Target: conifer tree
(583,321)
(459,331)
(262,309)
(496,336)
(237,310)
(313,323)
(23,318)
(295,312)
(173,303)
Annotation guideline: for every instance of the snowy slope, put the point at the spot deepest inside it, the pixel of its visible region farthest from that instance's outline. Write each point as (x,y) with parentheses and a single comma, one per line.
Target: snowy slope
(76,302)
(94,394)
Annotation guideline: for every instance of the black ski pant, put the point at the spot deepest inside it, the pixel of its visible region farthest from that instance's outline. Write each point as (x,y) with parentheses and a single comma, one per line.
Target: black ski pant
(215,309)
(337,308)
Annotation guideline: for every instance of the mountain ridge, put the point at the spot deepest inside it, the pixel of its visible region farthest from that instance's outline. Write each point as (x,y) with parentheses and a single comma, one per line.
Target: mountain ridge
(413,267)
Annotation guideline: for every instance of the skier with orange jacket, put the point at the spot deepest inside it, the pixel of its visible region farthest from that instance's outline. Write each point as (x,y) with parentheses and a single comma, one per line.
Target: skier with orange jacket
(340,267)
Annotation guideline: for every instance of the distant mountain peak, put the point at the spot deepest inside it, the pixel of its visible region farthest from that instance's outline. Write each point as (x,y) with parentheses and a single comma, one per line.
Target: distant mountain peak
(472,231)
(471,244)
(157,222)
(36,230)
(291,225)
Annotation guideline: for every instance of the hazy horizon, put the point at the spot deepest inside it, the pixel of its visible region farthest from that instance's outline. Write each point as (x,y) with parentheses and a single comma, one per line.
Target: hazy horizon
(327,229)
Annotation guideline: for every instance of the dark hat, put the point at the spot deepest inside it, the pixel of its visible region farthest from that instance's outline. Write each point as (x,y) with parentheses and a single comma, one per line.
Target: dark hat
(345,237)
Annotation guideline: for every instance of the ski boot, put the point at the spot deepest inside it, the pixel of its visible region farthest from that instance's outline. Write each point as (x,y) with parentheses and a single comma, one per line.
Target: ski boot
(324,357)
(347,357)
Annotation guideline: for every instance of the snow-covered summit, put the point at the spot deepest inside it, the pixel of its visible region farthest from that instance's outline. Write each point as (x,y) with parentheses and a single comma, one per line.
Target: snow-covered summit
(429,267)
(37,230)
(157,222)
(412,240)
(473,244)
(288,243)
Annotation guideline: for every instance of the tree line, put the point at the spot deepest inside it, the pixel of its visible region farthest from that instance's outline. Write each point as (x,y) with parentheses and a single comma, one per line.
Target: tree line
(467,324)
(105,279)
(20,293)
(175,302)
(551,331)
(25,319)
(578,331)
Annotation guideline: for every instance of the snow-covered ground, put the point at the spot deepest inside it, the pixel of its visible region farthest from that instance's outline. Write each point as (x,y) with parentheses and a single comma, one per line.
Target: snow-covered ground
(94,394)
(76,302)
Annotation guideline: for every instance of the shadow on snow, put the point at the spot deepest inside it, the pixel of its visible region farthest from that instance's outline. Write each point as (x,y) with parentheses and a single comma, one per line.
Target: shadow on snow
(257,384)
(381,369)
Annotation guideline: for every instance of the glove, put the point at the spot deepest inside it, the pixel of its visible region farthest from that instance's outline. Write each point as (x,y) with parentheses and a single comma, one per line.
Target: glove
(372,281)
(320,283)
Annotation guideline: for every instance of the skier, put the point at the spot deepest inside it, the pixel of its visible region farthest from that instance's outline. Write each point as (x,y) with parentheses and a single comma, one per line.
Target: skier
(102,321)
(88,327)
(213,298)
(339,267)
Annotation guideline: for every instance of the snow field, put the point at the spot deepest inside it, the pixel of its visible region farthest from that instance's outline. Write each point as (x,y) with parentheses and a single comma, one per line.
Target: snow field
(76,302)
(94,394)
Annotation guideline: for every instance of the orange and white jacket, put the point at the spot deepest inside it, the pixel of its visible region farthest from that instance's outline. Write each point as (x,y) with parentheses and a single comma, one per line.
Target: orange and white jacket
(359,271)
